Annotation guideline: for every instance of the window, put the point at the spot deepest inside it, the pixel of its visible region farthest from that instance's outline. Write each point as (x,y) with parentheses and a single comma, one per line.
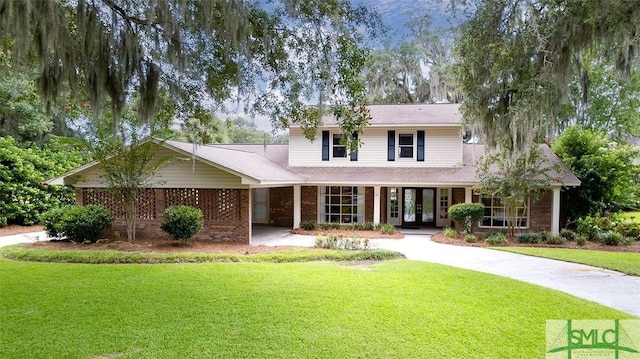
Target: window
(405,145)
(495,213)
(339,149)
(341,204)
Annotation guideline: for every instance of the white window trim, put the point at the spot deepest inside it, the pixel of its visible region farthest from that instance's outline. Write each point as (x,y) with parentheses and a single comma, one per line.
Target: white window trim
(346,157)
(480,225)
(414,135)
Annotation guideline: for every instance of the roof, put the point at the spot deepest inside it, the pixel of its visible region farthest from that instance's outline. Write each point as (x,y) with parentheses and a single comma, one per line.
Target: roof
(409,115)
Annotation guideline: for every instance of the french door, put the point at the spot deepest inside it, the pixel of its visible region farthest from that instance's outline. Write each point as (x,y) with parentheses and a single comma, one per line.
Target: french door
(418,206)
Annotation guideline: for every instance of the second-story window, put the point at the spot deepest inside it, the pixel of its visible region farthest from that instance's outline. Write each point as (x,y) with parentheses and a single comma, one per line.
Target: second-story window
(339,149)
(405,145)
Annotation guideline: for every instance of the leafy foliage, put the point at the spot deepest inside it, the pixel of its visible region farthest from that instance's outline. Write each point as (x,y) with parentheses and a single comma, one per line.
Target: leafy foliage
(605,168)
(339,242)
(515,178)
(467,213)
(517,58)
(496,238)
(23,171)
(194,50)
(182,222)
(78,223)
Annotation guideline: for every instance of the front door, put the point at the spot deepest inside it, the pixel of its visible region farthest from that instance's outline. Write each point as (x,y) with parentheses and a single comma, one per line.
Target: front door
(417,205)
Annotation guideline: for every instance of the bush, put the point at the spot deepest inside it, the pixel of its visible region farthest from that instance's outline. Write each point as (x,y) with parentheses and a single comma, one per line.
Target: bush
(496,239)
(339,242)
(3,221)
(308,225)
(528,237)
(556,240)
(182,222)
(450,232)
(52,221)
(77,223)
(611,238)
(546,236)
(467,213)
(387,228)
(581,240)
(629,229)
(588,227)
(368,226)
(470,238)
(567,234)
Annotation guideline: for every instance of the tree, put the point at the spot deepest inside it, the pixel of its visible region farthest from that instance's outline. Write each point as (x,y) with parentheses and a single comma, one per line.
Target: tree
(128,163)
(514,181)
(606,169)
(24,194)
(598,99)
(275,58)
(516,59)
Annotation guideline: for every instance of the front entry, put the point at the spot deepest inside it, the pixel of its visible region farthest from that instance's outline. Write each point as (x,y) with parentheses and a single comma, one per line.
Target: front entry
(418,207)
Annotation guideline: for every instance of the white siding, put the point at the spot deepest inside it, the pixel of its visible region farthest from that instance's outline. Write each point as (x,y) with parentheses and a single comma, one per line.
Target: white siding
(443,148)
(178,174)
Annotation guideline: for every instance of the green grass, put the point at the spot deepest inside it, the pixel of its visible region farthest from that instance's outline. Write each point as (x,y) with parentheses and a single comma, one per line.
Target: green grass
(20,252)
(393,309)
(625,262)
(631,215)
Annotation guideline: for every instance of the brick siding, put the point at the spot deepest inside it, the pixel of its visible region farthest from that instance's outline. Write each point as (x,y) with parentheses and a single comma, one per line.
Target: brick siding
(281,206)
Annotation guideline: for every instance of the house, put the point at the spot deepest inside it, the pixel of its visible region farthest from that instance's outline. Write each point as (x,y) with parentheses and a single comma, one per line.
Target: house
(412,166)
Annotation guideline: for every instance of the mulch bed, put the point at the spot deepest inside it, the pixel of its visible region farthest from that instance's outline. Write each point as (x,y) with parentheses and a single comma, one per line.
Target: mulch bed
(460,241)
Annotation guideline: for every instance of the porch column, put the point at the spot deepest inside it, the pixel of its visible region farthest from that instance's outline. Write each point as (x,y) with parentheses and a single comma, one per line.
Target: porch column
(468,195)
(555,212)
(297,205)
(376,205)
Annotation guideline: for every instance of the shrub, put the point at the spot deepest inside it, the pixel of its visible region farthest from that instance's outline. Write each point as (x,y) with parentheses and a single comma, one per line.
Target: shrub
(496,239)
(581,240)
(368,226)
(588,227)
(567,234)
(52,221)
(339,242)
(629,229)
(308,225)
(546,236)
(80,223)
(528,237)
(470,238)
(611,238)
(3,221)
(467,213)
(182,222)
(556,240)
(488,234)
(450,232)
(387,228)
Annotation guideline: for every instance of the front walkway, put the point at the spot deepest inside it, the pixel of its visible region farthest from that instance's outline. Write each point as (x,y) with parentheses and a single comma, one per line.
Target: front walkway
(609,288)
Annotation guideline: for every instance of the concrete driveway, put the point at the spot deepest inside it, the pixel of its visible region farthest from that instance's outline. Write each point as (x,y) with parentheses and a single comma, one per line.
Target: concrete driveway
(609,288)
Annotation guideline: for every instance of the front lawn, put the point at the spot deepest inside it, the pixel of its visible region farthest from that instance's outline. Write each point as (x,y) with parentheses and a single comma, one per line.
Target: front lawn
(392,309)
(625,262)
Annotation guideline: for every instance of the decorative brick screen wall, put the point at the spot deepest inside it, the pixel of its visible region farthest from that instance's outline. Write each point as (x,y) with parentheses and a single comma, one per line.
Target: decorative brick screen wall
(225,211)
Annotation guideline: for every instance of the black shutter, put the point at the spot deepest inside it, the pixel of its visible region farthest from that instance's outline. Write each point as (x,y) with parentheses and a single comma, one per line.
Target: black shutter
(354,155)
(420,145)
(391,146)
(325,145)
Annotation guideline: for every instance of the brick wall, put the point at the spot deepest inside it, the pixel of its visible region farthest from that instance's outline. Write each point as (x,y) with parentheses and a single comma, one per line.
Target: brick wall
(540,212)
(368,204)
(309,203)
(281,206)
(231,224)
